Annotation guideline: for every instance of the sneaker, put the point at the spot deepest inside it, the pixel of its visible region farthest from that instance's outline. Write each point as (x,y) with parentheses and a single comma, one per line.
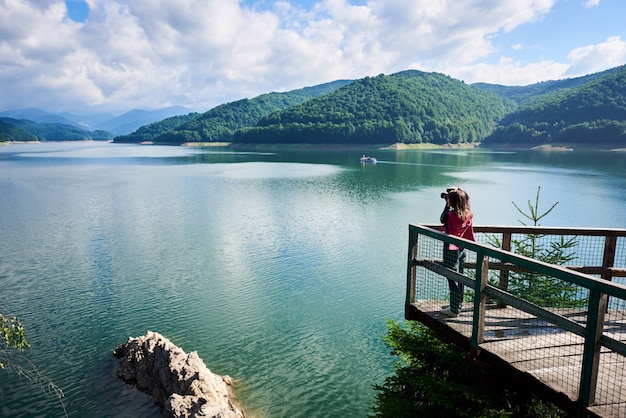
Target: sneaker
(447,312)
(445,307)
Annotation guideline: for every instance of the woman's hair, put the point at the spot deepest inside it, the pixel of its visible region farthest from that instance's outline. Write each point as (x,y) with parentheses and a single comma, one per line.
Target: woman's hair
(459,201)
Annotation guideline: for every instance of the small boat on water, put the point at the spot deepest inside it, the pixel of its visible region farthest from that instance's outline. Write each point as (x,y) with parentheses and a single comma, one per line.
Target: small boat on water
(366,159)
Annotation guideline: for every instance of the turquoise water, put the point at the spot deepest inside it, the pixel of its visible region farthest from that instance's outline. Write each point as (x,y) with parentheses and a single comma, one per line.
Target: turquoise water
(278,268)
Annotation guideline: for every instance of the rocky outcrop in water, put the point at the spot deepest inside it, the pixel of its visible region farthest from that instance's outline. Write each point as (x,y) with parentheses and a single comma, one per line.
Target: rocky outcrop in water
(179,382)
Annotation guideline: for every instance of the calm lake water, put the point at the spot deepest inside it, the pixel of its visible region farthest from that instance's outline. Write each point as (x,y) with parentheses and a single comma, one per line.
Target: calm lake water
(279,268)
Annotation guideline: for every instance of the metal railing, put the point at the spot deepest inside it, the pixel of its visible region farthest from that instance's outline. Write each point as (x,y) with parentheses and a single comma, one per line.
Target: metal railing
(579,303)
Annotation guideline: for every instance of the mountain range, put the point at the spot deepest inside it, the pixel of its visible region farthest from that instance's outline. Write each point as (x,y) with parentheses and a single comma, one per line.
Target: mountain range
(410,107)
(115,125)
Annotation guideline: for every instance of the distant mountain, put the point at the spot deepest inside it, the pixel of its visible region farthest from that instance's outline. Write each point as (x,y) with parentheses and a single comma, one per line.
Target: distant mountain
(219,124)
(522,94)
(407,107)
(12,132)
(27,130)
(89,122)
(131,121)
(589,111)
(39,116)
(117,125)
(149,133)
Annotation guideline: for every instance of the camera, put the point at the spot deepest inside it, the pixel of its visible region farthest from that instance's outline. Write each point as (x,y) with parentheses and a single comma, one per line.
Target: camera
(449,190)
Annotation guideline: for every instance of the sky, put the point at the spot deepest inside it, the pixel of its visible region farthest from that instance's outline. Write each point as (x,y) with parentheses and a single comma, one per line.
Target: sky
(94,56)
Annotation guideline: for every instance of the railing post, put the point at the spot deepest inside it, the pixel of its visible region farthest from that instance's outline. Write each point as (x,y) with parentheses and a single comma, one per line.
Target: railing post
(608,258)
(411,270)
(480,300)
(504,273)
(591,353)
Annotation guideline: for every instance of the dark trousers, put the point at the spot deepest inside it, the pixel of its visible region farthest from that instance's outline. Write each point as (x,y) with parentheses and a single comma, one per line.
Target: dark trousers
(454,259)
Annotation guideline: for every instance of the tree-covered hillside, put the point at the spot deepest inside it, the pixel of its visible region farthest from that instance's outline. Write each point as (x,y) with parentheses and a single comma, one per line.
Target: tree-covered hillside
(11,132)
(408,107)
(593,113)
(522,94)
(26,130)
(148,133)
(219,123)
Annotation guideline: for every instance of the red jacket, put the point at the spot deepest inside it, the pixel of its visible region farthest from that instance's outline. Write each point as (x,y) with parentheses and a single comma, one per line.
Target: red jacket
(455,226)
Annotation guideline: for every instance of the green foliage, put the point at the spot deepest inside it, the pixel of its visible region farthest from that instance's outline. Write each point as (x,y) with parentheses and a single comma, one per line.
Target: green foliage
(407,107)
(13,336)
(589,110)
(148,133)
(11,132)
(435,379)
(533,211)
(523,94)
(26,130)
(541,289)
(13,339)
(53,131)
(220,123)
(100,135)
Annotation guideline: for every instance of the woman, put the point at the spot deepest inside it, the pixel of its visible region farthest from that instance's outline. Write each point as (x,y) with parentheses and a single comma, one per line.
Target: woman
(457,219)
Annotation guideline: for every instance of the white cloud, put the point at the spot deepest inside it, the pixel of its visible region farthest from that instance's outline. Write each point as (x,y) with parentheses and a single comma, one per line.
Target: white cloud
(594,58)
(591,3)
(581,61)
(200,53)
(509,72)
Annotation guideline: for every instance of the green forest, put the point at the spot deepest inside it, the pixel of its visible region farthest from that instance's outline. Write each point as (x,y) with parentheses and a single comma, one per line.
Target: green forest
(26,130)
(410,107)
(220,123)
(592,113)
(148,133)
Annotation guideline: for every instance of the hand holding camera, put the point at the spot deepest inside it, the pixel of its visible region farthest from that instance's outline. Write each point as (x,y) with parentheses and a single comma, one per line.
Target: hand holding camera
(448,191)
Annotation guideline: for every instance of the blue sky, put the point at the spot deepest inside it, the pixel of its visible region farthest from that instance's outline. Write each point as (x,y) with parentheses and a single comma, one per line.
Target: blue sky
(568,26)
(86,56)
(77,10)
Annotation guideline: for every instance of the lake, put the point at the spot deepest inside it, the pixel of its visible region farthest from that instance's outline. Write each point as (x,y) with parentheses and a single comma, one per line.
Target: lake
(280,268)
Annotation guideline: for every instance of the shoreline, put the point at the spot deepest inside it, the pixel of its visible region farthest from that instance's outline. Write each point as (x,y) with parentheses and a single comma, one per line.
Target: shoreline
(561,147)
(307,146)
(412,147)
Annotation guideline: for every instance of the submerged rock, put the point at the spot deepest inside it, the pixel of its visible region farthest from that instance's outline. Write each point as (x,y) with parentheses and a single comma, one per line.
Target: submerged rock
(179,382)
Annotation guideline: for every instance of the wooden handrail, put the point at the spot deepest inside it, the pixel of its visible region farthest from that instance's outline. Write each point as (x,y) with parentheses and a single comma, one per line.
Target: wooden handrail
(541,230)
(597,270)
(607,271)
(560,272)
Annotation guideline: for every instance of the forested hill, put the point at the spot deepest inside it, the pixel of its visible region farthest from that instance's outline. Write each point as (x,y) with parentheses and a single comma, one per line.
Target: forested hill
(148,133)
(10,130)
(523,94)
(591,113)
(407,107)
(27,130)
(219,123)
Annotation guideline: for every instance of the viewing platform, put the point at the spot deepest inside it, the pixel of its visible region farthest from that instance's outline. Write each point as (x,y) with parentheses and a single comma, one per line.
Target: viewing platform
(555,322)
